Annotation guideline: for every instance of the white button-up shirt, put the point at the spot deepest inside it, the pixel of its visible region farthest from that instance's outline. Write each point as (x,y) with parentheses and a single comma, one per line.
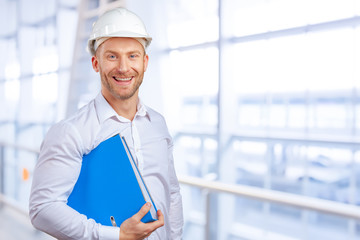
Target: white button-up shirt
(60,162)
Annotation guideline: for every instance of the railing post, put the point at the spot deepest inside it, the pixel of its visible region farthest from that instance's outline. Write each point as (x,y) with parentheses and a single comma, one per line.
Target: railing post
(210,215)
(2,172)
(207,214)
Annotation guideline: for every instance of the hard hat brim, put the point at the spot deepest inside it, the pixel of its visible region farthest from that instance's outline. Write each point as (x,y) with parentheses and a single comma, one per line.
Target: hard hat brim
(94,37)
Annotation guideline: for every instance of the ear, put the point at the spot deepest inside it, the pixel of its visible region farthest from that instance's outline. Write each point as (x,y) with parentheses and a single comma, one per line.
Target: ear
(146,61)
(95,63)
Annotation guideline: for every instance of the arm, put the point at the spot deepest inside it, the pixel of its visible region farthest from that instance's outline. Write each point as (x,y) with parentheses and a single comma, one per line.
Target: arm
(176,209)
(55,175)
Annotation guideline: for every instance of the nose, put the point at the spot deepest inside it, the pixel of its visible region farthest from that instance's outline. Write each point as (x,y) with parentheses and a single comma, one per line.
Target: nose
(123,65)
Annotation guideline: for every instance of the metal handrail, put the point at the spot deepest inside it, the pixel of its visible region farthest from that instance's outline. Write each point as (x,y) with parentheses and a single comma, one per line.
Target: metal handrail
(13,205)
(266,195)
(294,200)
(20,147)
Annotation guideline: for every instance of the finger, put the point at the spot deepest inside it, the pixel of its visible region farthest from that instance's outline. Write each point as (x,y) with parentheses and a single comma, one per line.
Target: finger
(142,212)
(159,222)
(152,226)
(160,216)
(148,235)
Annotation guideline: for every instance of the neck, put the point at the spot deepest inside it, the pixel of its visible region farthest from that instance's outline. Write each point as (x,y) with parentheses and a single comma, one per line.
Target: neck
(123,107)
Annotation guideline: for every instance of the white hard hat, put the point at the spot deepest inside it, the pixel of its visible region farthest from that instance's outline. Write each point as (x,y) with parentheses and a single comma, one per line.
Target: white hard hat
(118,22)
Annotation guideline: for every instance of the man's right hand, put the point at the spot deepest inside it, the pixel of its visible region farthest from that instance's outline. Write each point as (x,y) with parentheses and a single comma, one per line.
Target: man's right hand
(134,229)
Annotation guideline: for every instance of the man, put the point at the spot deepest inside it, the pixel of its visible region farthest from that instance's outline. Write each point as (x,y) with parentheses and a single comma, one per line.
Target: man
(118,46)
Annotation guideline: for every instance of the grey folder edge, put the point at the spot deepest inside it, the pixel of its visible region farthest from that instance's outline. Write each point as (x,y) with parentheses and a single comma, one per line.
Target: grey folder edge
(110,185)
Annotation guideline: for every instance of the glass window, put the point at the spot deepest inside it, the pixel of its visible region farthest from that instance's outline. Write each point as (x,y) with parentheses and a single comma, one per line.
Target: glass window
(191,88)
(261,16)
(45,88)
(192,22)
(12,90)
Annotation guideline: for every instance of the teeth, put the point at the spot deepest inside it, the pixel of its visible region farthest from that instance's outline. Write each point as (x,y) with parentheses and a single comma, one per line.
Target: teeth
(122,79)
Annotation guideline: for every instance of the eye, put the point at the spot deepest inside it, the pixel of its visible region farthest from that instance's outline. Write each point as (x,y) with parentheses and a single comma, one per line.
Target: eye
(133,55)
(111,56)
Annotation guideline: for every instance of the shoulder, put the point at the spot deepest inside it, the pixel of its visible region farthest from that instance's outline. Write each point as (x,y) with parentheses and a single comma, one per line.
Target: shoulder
(158,124)
(79,120)
(154,115)
(156,118)
(83,116)
(75,129)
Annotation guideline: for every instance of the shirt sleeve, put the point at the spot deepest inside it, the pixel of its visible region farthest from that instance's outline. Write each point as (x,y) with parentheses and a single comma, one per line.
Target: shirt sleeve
(176,209)
(55,175)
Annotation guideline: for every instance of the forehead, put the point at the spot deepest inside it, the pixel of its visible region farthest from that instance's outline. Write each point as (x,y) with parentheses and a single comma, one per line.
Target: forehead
(121,44)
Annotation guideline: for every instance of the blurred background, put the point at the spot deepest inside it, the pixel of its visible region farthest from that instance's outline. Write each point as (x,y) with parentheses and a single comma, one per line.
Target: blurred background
(261,97)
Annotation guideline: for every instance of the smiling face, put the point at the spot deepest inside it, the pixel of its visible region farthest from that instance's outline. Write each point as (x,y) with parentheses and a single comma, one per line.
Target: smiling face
(121,63)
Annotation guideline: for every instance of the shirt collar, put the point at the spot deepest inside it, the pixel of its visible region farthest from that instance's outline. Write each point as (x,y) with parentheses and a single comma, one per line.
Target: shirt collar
(105,111)
(142,110)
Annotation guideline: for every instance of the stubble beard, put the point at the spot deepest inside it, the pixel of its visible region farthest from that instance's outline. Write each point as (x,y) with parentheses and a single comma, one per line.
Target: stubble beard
(110,87)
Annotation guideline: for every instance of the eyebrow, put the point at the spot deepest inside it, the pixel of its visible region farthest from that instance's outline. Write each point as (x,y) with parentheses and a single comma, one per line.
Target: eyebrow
(130,52)
(109,51)
(136,51)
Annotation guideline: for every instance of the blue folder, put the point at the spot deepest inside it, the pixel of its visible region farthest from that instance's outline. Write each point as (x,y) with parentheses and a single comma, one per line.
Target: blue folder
(110,184)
